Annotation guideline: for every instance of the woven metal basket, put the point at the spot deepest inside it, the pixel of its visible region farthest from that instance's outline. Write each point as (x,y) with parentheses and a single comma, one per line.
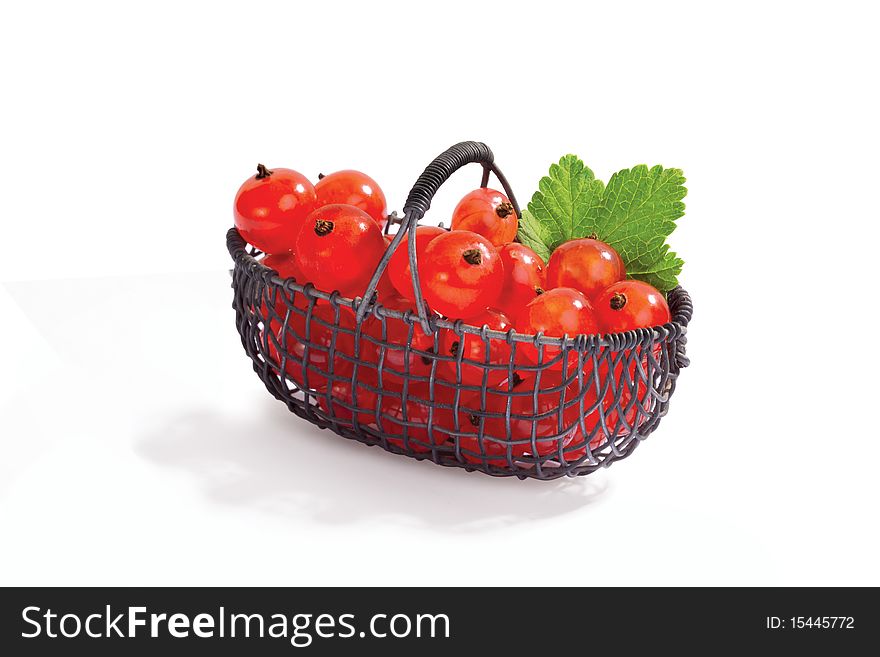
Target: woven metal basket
(380,377)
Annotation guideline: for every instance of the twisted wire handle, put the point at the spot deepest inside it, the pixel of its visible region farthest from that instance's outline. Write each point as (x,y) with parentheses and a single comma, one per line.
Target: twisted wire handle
(682,309)
(417,204)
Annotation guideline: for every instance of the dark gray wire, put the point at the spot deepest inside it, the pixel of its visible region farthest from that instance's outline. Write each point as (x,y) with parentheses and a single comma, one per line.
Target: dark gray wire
(417,204)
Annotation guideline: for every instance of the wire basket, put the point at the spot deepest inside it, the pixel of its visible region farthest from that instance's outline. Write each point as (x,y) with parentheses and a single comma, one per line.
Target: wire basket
(381,377)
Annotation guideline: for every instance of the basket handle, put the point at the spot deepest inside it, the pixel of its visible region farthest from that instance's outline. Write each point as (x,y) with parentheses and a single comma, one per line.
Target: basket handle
(682,309)
(417,204)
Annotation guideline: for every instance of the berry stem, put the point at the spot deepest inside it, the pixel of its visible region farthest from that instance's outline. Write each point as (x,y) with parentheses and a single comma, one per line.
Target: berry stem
(262,172)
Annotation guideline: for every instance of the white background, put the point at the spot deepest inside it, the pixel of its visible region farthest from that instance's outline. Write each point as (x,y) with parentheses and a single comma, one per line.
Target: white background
(139,448)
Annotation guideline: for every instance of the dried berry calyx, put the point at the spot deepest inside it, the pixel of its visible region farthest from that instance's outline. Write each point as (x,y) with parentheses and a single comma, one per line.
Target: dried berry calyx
(453,349)
(472,256)
(474,419)
(262,172)
(539,291)
(426,360)
(323,227)
(618,301)
(504,210)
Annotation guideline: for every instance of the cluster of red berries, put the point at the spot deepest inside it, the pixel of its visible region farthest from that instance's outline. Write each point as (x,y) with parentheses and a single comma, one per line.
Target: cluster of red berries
(331,234)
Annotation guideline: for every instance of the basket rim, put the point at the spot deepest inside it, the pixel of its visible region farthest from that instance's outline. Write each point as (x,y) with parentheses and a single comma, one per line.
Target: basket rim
(671,330)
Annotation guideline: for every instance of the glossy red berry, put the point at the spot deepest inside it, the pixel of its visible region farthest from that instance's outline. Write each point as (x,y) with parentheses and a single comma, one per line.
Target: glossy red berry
(476,355)
(630,305)
(636,375)
(418,424)
(486,212)
(550,416)
(385,288)
(356,404)
(318,334)
(398,268)
(271,207)
(525,277)
(558,312)
(355,188)
(628,378)
(393,347)
(587,265)
(643,368)
(339,248)
(628,401)
(600,425)
(463,274)
(285,265)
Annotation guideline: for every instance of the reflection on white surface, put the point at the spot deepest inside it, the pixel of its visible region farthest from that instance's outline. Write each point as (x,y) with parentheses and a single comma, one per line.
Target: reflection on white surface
(277,462)
(155,363)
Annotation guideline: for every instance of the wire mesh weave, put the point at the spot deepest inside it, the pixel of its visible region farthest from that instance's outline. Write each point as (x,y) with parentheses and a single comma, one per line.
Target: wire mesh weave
(390,378)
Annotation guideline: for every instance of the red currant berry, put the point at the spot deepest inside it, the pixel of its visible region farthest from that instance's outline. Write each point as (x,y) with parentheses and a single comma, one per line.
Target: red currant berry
(626,405)
(385,288)
(634,390)
(627,393)
(628,400)
(271,207)
(339,248)
(486,212)
(473,351)
(463,274)
(351,187)
(318,334)
(597,431)
(401,352)
(285,265)
(398,268)
(353,405)
(558,312)
(418,417)
(525,277)
(587,265)
(553,428)
(630,305)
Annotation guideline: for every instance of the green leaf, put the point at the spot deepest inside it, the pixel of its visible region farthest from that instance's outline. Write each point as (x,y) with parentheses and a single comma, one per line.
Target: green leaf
(561,208)
(662,273)
(532,234)
(636,215)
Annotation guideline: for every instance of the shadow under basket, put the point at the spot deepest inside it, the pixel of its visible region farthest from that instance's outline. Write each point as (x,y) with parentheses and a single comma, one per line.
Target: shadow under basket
(387,378)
